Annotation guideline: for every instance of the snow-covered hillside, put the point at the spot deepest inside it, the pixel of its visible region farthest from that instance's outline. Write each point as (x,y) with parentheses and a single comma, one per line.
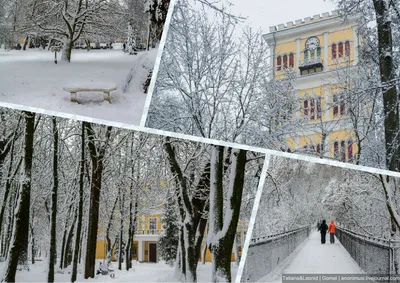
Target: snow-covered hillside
(31,78)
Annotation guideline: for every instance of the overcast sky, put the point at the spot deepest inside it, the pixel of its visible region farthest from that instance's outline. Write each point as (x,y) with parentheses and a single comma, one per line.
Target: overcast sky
(265,13)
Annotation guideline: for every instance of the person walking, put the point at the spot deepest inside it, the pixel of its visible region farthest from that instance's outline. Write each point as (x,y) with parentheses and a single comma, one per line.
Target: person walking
(322,229)
(331,231)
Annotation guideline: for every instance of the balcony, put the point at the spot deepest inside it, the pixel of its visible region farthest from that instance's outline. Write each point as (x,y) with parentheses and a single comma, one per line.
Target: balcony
(311,65)
(148,232)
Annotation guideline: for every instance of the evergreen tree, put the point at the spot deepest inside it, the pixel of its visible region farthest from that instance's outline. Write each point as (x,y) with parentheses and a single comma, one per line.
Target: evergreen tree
(168,242)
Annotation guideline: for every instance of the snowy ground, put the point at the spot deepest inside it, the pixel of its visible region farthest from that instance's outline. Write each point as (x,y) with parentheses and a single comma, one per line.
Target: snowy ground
(143,272)
(31,78)
(314,258)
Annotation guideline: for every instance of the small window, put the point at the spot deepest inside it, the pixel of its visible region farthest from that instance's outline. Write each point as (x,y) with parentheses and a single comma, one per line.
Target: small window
(312,53)
(333,51)
(347,48)
(278,63)
(284,61)
(319,52)
(319,108)
(342,105)
(343,151)
(336,150)
(335,106)
(305,55)
(305,107)
(312,109)
(291,60)
(152,225)
(340,49)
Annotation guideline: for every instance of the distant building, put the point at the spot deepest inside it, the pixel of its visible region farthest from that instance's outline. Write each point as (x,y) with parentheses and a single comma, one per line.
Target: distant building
(146,238)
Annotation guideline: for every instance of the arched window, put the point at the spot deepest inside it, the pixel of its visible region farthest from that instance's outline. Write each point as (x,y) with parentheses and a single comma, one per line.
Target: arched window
(278,63)
(312,54)
(285,61)
(319,110)
(350,150)
(291,60)
(312,108)
(333,51)
(340,49)
(343,151)
(336,150)
(342,105)
(347,48)
(335,105)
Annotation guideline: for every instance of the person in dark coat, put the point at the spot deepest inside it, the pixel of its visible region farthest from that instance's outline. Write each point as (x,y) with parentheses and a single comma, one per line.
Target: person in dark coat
(323,228)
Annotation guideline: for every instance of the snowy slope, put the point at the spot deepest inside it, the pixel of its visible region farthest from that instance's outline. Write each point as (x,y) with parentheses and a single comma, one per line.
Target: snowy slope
(31,78)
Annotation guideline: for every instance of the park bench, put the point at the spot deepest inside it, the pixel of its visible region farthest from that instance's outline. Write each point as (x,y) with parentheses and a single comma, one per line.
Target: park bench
(106,91)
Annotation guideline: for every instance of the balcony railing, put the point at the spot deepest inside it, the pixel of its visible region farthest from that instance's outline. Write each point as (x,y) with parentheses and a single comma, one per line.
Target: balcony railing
(148,232)
(311,63)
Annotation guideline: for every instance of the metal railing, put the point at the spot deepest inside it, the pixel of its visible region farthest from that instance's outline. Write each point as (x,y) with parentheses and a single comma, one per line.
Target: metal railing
(265,253)
(311,61)
(373,255)
(148,232)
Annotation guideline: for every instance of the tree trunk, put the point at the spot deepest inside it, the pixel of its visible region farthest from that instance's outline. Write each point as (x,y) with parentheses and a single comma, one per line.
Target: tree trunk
(10,177)
(67,50)
(32,241)
(68,244)
(64,239)
(19,246)
(121,229)
(221,237)
(387,73)
(80,208)
(53,223)
(191,211)
(96,155)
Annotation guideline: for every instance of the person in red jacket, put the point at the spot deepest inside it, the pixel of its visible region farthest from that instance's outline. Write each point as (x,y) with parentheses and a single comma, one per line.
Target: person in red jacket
(331,231)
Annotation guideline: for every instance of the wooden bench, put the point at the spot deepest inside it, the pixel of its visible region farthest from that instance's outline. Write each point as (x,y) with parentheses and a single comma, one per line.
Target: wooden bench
(106,91)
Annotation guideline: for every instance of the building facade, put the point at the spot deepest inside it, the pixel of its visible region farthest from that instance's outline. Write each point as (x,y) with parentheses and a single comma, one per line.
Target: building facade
(314,53)
(147,234)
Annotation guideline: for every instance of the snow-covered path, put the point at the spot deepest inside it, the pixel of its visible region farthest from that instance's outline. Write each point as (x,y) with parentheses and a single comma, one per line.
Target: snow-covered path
(31,78)
(312,257)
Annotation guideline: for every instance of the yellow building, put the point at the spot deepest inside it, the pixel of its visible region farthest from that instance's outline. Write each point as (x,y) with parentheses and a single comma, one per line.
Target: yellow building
(313,50)
(149,229)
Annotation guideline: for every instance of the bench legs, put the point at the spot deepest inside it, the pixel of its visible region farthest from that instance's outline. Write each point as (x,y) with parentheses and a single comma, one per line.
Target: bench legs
(73,97)
(107,97)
